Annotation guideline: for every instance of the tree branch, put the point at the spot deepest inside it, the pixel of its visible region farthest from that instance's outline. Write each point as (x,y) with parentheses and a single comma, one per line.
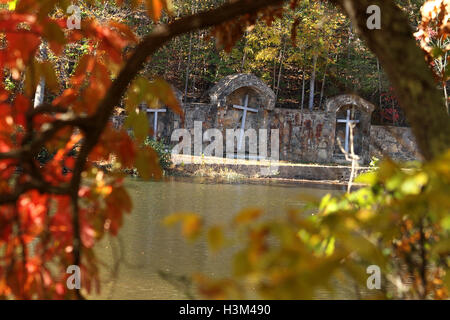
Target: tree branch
(151,43)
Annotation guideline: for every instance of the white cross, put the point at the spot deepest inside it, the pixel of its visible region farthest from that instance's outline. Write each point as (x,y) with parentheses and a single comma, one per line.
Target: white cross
(245,108)
(347,122)
(155,121)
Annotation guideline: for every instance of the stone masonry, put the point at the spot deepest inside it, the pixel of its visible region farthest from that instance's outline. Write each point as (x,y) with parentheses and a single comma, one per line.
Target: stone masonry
(304,136)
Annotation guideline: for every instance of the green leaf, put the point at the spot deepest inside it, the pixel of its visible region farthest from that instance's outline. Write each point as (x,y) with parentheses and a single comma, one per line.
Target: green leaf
(414,184)
(369,178)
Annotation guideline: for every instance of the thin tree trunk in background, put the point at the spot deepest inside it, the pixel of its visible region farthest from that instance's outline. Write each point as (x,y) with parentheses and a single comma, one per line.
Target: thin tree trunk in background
(39,94)
(186,82)
(446,96)
(274,74)
(379,81)
(349,42)
(244,57)
(444,85)
(175,45)
(40,89)
(193,85)
(303,87)
(393,112)
(322,90)
(323,84)
(281,69)
(312,84)
(188,67)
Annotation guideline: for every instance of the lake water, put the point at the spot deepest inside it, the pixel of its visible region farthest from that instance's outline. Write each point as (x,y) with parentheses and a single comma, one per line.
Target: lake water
(145,247)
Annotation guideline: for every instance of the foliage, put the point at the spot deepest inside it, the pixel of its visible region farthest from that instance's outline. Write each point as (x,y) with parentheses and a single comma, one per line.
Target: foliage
(343,59)
(163,151)
(400,222)
(44,156)
(49,217)
(53,213)
(374,162)
(433,32)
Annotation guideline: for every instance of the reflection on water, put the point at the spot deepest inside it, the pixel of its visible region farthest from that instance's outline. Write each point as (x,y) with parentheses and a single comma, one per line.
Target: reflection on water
(146,247)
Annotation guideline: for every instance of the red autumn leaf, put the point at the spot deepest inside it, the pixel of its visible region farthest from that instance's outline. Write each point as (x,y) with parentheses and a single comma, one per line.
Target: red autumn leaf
(32,209)
(87,232)
(21,106)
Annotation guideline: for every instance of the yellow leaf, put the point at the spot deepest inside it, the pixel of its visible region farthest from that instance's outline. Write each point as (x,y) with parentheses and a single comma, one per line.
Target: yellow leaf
(12,5)
(247,215)
(191,226)
(172,219)
(365,215)
(191,223)
(441,247)
(367,178)
(215,238)
(163,91)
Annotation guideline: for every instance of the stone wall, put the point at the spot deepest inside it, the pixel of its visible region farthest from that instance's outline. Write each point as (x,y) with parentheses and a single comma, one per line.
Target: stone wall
(395,142)
(304,136)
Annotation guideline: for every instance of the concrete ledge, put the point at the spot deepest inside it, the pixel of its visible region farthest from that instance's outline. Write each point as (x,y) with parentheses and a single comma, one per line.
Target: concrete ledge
(255,169)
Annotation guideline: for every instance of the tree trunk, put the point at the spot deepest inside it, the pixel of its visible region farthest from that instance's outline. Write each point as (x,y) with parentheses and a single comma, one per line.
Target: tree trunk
(349,45)
(379,82)
(39,94)
(312,84)
(281,69)
(188,67)
(323,84)
(303,87)
(404,63)
(446,96)
(274,74)
(40,89)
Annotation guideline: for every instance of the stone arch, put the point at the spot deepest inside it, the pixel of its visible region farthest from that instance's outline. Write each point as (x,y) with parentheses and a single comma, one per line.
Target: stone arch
(364,110)
(335,103)
(225,87)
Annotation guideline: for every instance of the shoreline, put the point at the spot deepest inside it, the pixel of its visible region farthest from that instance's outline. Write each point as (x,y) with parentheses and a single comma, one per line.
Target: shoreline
(250,170)
(230,171)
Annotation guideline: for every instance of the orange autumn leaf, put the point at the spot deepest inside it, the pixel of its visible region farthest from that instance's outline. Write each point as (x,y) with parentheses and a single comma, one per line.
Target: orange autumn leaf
(154,8)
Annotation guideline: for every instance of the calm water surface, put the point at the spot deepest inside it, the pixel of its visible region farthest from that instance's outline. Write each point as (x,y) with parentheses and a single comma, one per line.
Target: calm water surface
(145,248)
